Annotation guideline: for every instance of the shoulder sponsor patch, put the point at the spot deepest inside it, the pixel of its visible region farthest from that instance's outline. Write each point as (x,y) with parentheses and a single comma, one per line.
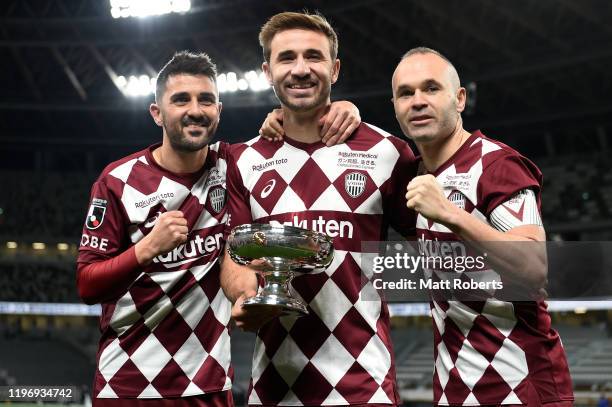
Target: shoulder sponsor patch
(95,215)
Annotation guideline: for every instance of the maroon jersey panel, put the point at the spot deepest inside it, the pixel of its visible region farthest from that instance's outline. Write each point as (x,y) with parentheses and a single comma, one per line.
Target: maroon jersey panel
(167,336)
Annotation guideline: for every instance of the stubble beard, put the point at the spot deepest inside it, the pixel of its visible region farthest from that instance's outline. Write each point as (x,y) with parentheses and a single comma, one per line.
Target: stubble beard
(187,144)
(440,128)
(318,101)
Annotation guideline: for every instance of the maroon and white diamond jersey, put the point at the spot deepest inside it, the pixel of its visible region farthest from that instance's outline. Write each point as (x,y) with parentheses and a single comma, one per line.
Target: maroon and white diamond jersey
(167,336)
(341,353)
(491,352)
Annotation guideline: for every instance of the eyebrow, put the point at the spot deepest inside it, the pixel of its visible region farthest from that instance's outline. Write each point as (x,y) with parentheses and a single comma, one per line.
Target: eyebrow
(314,51)
(433,82)
(202,95)
(289,52)
(426,82)
(286,53)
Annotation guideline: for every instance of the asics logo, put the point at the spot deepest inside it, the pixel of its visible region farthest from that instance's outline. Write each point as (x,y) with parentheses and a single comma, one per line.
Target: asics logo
(268,188)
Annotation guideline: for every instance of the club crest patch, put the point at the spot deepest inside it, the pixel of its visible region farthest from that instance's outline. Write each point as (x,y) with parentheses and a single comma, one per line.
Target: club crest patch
(95,215)
(354,184)
(217,199)
(458,199)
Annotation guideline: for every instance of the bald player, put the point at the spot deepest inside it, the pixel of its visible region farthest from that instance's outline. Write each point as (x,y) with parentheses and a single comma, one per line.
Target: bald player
(480,192)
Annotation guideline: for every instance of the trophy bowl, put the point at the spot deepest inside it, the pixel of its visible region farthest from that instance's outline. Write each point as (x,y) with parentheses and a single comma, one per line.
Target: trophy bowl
(277,252)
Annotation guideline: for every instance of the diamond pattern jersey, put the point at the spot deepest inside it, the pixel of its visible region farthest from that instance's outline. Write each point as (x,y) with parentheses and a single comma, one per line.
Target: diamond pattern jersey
(341,353)
(167,336)
(491,352)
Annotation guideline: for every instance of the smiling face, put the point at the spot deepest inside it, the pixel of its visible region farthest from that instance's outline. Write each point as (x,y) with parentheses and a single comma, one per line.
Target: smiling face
(301,69)
(427,98)
(189,111)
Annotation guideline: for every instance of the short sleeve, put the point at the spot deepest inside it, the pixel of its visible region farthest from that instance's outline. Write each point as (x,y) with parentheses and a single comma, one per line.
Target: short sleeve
(104,233)
(504,178)
(238,208)
(397,214)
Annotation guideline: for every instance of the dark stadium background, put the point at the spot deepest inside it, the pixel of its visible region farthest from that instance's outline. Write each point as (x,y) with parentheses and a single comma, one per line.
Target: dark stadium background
(539,75)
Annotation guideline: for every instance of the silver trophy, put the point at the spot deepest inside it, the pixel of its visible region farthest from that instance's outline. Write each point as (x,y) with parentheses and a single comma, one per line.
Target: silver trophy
(277,252)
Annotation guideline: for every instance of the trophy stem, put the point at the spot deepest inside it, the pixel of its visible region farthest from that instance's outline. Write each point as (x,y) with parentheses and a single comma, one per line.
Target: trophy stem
(276,292)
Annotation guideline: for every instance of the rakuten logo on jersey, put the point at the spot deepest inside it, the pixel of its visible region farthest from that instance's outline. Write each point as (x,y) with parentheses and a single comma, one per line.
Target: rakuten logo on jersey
(331,228)
(435,248)
(200,246)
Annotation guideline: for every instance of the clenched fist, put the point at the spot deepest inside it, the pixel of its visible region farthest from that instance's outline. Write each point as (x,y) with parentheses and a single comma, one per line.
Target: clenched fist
(170,230)
(426,197)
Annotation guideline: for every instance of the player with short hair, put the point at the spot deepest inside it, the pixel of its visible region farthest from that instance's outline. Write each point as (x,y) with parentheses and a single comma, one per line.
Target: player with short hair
(481,192)
(341,353)
(149,253)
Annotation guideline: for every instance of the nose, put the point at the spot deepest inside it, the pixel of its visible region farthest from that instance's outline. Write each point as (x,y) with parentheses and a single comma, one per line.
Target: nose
(194,109)
(300,68)
(419,101)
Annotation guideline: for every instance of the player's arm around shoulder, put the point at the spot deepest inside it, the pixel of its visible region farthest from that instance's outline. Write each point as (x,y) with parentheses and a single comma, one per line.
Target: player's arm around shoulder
(336,125)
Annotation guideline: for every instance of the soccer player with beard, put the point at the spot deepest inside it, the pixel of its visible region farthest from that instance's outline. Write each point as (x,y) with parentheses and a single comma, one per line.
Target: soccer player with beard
(341,352)
(482,192)
(149,253)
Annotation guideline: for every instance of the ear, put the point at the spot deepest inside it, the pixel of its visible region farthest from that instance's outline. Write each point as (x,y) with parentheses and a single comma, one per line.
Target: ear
(265,67)
(220,108)
(335,71)
(461,99)
(156,114)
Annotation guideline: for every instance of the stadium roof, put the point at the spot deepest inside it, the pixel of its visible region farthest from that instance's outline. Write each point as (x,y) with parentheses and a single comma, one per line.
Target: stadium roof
(538,66)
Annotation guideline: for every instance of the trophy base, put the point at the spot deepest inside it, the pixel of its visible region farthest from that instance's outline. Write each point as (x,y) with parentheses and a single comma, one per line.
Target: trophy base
(289,306)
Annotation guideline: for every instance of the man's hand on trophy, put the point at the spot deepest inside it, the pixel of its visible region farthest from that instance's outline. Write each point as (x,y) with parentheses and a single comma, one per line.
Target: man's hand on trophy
(253,318)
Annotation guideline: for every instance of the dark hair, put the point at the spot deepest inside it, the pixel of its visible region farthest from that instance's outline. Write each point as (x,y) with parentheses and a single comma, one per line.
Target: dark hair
(425,50)
(185,62)
(288,21)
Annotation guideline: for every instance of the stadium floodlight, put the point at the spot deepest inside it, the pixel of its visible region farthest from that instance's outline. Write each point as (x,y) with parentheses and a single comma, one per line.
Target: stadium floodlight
(232,82)
(257,81)
(143,85)
(11,245)
(38,246)
(146,8)
(62,246)
(136,86)
(121,82)
(253,81)
(243,84)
